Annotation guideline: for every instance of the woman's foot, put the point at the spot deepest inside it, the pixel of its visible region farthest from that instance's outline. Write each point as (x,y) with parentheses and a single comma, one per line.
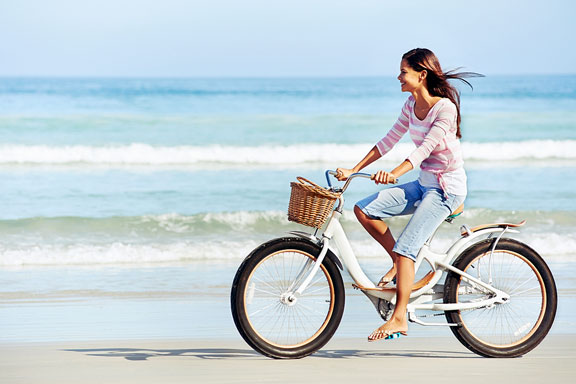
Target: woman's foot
(391,330)
(389,277)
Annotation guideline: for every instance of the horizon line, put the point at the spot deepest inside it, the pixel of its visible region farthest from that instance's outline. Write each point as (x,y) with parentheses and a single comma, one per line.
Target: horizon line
(9,76)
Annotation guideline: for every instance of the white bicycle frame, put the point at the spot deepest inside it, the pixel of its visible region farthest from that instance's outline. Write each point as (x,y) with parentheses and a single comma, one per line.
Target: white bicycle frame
(334,239)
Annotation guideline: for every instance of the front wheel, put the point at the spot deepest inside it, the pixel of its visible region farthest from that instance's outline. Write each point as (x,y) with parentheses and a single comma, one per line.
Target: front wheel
(515,327)
(269,317)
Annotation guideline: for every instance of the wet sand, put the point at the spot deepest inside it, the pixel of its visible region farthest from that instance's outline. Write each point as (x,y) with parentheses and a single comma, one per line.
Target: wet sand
(342,360)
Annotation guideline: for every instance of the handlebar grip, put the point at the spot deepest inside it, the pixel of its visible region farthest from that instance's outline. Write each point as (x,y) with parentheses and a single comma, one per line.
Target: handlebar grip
(372,176)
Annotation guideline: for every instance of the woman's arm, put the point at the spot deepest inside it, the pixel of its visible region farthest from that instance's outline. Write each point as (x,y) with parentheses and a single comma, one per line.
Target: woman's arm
(372,156)
(384,145)
(383,177)
(380,177)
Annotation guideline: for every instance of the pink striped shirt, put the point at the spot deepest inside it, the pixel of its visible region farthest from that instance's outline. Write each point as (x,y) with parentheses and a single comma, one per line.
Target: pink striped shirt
(438,151)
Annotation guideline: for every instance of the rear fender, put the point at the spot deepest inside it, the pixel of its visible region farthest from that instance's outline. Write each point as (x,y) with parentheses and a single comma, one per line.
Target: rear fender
(471,238)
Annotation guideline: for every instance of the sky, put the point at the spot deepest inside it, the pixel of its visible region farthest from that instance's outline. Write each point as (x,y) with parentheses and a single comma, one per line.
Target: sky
(269,38)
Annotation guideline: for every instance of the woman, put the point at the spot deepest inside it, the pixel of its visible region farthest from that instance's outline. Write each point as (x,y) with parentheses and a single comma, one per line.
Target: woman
(432,116)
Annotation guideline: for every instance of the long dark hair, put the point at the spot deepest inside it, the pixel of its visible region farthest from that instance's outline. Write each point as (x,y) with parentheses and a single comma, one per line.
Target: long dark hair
(420,59)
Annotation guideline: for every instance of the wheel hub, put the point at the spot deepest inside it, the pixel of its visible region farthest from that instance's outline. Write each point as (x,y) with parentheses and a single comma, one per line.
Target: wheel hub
(288,298)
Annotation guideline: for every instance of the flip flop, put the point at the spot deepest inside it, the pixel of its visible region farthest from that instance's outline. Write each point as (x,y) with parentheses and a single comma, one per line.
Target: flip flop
(395,335)
(386,335)
(385,281)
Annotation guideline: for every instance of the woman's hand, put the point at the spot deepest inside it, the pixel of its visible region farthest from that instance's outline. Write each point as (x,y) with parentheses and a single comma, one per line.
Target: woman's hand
(343,173)
(383,177)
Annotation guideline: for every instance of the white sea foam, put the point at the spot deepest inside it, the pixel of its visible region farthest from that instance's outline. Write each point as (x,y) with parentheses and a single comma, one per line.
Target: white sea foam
(551,246)
(240,223)
(145,154)
(123,253)
(230,236)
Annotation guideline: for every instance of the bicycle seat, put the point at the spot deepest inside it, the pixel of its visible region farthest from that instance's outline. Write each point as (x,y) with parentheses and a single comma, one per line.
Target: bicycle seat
(457,212)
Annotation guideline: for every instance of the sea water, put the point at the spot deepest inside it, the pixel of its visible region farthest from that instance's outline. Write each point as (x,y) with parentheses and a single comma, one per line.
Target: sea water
(119,190)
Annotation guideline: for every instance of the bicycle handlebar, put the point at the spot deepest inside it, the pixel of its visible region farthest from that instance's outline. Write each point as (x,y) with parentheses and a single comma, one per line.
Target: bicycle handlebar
(352,176)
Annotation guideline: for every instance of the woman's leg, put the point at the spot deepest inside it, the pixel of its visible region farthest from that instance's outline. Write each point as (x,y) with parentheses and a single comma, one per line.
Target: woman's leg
(381,233)
(404,280)
(433,209)
(394,201)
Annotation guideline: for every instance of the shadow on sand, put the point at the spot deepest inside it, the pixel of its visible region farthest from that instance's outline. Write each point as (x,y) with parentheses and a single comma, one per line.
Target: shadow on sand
(141,354)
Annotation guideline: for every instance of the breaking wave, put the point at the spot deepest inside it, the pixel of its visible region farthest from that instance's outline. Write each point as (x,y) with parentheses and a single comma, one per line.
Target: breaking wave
(145,154)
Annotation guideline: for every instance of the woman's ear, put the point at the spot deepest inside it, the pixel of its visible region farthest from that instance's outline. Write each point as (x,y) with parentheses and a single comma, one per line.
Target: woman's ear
(423,75)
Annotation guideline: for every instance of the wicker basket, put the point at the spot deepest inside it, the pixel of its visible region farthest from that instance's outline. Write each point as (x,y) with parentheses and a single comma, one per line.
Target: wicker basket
(310,204)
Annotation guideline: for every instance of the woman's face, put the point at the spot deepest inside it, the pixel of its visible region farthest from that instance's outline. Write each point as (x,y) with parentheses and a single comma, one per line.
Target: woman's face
(410,80)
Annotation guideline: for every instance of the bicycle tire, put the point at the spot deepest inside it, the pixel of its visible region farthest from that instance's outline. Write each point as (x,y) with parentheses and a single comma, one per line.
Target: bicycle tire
(513,328)
(257,304)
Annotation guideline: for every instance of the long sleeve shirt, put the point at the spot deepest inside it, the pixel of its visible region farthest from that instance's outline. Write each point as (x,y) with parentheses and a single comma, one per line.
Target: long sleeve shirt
(438,152)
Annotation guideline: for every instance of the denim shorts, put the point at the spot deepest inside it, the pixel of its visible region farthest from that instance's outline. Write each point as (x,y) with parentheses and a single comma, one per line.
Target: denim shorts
(428,206)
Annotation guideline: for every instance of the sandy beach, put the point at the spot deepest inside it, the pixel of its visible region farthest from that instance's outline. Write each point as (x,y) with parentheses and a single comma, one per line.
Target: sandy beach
(190,338)
(231,361)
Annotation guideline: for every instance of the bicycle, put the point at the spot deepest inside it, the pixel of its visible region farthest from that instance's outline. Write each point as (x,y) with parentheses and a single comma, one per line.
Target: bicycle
(499,296)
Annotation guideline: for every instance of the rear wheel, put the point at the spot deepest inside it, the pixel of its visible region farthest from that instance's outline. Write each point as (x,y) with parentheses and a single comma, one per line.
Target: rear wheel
(515,327)
(272,320)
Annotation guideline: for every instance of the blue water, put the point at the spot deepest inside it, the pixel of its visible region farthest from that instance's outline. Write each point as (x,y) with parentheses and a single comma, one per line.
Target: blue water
(99,174)
(120,152)
(257,111)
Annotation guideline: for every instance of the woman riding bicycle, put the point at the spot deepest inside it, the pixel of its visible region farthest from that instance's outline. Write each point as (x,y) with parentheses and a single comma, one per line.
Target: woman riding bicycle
(432,116)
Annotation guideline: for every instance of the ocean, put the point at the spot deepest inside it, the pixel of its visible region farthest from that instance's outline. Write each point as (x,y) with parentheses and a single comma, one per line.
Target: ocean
(120,190)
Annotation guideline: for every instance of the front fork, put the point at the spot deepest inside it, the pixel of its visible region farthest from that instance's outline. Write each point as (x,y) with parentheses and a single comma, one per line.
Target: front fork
(292,292)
